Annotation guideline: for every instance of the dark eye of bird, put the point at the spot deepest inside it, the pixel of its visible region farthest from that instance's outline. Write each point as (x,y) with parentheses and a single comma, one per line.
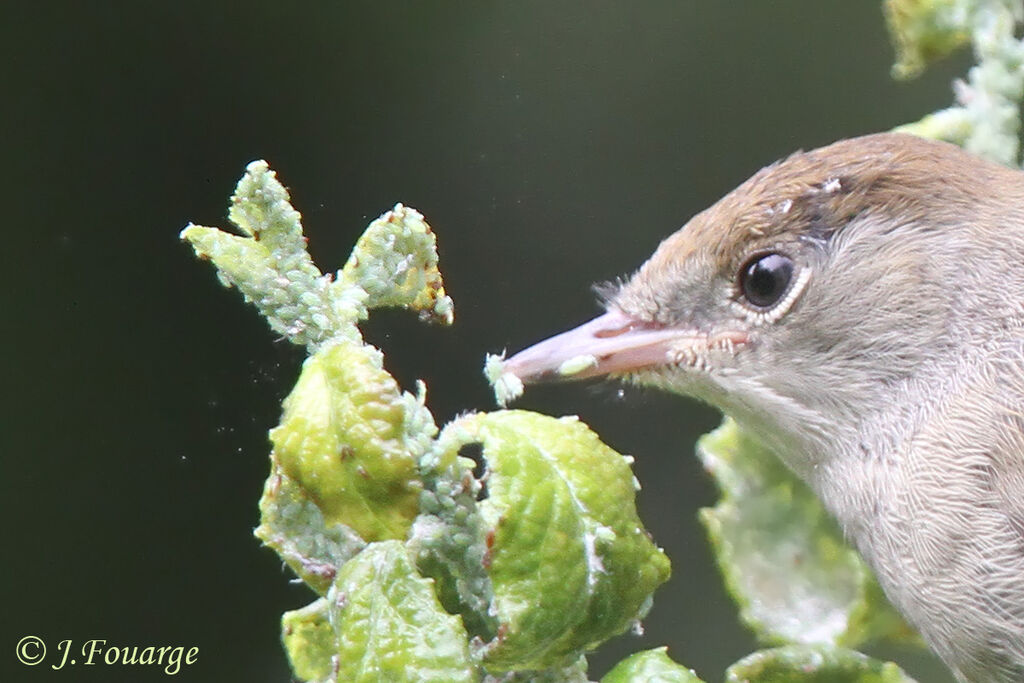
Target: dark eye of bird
(765,279)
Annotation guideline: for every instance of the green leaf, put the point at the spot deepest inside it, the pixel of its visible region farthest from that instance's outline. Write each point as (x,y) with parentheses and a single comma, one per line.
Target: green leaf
(986,117)
(309,641)
(569,562)
(925,30)
(813,664)
(783,558)
(650,666)
(351,440)
(389,625)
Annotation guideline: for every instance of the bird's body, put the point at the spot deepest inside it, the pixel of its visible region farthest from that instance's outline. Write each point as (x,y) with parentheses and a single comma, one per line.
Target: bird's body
(939,515)
(860,309)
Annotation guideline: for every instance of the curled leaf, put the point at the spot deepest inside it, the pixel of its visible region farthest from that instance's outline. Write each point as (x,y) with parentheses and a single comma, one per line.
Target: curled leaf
(351,440)
(650,666)
(925,30)
(783,557)
(813,664)
(380,621)
(569,562)
(390,625)
(309,641)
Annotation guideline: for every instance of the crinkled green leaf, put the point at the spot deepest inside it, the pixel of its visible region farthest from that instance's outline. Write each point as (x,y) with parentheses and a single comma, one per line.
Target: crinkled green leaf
(650,666)
(783,557)
(569,562)
(813,664)
(389,625)
(925,30)
(351,440)
(292,524)
(310,641)
(395,262)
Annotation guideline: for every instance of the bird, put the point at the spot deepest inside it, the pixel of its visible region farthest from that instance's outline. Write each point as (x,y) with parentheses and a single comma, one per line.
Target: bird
(859,309)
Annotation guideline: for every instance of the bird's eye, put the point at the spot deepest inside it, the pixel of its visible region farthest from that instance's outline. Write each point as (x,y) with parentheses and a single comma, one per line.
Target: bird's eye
(765,279)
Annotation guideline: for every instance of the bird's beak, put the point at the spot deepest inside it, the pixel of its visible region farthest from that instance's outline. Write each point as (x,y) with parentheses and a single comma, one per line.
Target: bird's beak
(611,344)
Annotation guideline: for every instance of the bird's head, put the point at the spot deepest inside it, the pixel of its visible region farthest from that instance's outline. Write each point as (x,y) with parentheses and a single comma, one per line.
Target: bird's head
(803,299)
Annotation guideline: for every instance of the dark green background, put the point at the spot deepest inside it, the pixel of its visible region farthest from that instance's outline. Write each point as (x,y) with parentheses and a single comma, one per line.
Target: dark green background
(551,146)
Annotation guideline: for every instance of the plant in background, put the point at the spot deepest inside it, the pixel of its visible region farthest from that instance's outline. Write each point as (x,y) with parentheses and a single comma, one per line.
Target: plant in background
(424,572)
(419,575)
(986,118)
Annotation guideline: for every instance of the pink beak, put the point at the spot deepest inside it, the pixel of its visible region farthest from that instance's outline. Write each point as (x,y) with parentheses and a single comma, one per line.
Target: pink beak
(610,344)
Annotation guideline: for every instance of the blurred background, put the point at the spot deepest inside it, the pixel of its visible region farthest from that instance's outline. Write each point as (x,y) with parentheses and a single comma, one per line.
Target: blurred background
(550,145)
